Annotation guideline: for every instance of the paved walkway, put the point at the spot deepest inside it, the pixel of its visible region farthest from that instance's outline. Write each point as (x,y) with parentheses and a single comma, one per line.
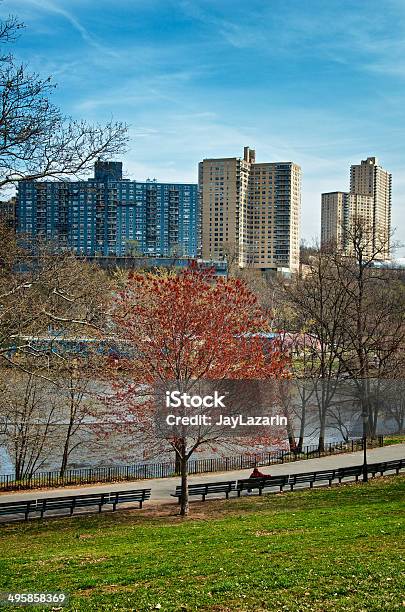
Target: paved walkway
(163,487)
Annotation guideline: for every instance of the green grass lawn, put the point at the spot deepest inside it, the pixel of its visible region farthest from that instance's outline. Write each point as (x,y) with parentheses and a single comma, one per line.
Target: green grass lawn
(323,550)
(394,439)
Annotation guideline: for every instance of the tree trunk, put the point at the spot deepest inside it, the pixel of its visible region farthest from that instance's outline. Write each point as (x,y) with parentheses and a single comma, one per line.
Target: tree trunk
(323,409)
(291,442)
(302,424)
(322,427)
(63,464)
(179,451)
(177,464)
(65,455)
(290,429)
(184,506)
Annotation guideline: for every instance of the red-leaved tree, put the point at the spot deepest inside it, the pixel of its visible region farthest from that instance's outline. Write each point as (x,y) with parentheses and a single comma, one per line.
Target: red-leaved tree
(179,330)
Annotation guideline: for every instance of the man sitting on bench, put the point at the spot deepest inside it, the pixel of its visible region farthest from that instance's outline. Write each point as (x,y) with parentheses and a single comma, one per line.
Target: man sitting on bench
(257,474)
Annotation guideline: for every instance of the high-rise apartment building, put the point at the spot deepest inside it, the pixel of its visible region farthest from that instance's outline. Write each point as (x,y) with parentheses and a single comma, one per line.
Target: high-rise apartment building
(370,179)
(250,211)
(333,217)
(338,210)
(109,215)
(369,200)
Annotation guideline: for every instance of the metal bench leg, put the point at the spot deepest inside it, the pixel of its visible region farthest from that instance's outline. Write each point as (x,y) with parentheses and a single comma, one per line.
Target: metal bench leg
(227,494)
(311,484)
(260,491)
(140,503)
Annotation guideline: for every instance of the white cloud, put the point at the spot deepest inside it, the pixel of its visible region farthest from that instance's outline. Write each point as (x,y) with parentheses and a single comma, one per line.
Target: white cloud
(55,8)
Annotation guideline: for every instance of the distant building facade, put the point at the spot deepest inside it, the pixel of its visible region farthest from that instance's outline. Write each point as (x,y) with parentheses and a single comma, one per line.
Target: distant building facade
(218,268)
(251,211)
(108,215)
(369,199)
(338,209)
(8,212)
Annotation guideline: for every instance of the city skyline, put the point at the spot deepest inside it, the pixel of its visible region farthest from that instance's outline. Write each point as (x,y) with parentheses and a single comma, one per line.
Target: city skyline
(313,84)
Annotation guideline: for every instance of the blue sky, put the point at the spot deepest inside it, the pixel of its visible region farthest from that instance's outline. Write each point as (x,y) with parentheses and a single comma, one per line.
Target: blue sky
(321,83)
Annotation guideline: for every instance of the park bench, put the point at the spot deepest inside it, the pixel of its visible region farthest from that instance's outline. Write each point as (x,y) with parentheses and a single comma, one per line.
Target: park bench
(126,497)
(207,489)
(55,503)
(312,477)
(19,507)
(291,480)
(394,464)
(71,502)
(349,472)
(295,479)
(386,466)
(329,475)
(248,484)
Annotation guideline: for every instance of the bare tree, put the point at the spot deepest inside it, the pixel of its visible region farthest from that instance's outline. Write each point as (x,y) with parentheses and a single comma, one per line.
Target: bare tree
(40,296)
(307,251)
(319,304)
(39,289)
(29,415)
(77,402)
(9,29)
(394,398)
(356,314)
(36,140)
(373,325)
(231,256)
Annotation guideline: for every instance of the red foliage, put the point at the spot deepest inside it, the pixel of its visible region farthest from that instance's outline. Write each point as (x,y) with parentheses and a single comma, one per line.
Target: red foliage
(185,328)
(193,326)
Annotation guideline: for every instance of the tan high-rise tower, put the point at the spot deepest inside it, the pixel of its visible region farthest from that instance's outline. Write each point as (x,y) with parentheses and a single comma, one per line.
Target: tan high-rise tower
(250,211)
(334,205)
(339,209)
(369,200)
(370,179)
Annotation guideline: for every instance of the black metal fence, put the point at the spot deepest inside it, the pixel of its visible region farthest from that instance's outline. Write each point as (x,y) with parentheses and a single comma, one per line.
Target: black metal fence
(141,471)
